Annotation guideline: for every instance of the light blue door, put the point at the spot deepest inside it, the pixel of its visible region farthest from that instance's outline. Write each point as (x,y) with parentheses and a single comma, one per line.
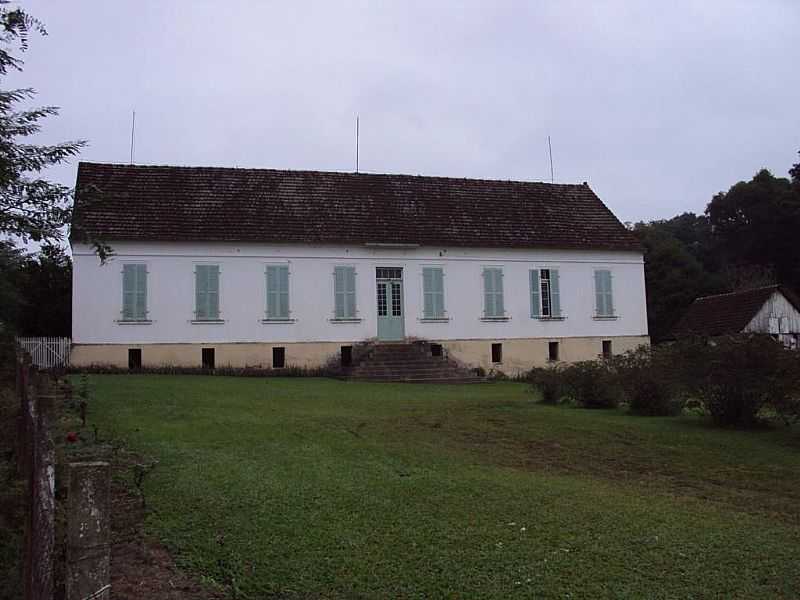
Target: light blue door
(389,283)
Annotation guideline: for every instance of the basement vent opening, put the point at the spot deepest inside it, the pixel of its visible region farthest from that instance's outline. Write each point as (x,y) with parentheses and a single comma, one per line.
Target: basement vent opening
(552,351)
(347,356)
(497,353)
(436,349)
(134,359)
(278,357)
(607,351)
(208,358)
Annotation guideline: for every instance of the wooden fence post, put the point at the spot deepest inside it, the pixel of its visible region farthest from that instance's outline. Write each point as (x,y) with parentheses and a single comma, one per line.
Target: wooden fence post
(42,502)
(88,531)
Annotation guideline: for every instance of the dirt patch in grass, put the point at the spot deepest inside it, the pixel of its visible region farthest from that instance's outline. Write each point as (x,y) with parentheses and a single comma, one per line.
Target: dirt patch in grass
(140,566)
(624,458)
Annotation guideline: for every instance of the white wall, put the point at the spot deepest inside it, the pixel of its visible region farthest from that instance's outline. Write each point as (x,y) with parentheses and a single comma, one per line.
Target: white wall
(97,293)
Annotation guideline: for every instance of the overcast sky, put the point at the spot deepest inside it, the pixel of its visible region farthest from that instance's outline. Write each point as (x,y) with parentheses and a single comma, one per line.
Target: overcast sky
(658,105)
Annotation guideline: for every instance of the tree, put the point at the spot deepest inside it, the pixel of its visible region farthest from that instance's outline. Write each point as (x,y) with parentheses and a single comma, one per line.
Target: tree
(31,208)
(45,293)
(756,223)
(674,276)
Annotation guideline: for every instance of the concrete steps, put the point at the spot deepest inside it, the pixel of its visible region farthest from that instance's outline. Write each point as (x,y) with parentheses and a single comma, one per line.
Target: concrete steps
(409,362)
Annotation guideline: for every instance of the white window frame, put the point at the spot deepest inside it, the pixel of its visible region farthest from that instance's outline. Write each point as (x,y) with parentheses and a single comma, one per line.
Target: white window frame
(541,316)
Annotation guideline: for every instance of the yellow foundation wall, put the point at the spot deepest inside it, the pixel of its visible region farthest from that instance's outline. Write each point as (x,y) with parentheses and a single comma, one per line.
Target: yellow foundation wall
(519,355)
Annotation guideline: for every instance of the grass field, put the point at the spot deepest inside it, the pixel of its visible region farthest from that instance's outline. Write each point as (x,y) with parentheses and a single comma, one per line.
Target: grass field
(337,489)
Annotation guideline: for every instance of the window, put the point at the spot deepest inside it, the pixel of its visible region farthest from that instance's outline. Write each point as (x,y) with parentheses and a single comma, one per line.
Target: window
(497,353)
(436,350)
(604,303)
(347,356)
(134,292)
(206,286)
(433,292)
(545,295)
(344,292)
(278,357)
(207,355)
(493,293)
(552,351)
(607,352)
(278,292)
(134,359)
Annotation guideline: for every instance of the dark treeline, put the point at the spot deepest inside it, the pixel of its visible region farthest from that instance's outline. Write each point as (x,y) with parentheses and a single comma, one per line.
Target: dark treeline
(748,236)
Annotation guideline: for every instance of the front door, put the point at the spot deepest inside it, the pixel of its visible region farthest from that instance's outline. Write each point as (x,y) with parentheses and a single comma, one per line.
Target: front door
(389,283)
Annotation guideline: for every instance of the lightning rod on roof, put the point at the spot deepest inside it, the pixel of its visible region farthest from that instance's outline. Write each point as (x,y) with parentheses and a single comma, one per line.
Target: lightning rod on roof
(356,143)
(550,149)
(133,130)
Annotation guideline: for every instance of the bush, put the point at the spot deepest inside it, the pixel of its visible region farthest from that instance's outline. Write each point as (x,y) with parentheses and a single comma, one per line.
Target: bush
(650,381)
(591,384)
(736,376)
(548,381)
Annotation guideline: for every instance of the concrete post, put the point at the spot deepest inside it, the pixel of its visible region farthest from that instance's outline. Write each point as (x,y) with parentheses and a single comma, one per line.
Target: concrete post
(88,531)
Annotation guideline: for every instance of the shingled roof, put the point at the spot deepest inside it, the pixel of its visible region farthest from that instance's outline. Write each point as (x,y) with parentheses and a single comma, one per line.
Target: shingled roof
(728,313)
(161,203)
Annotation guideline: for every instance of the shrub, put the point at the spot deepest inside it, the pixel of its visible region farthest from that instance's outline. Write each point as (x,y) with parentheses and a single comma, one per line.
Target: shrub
(591,384)
(650,381)
(736,376)
(548,380)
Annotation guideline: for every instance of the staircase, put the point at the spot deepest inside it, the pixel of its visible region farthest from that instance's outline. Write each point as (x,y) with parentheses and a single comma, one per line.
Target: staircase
(410,362)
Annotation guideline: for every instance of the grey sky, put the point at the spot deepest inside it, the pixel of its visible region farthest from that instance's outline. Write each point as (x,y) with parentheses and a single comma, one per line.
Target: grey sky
(658,105)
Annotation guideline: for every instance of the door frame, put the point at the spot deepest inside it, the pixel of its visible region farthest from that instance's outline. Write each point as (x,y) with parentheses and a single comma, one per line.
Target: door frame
(389,282)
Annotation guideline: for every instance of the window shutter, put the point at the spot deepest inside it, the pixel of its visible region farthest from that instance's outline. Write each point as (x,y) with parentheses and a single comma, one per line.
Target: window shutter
(609,295)
(438,293)
(350,289)
(277,292)
(598,293)
(488,292)
(535,294)
(201,292)
(128,292)
(498,293)
(555,295)
(339,292)
(213,292)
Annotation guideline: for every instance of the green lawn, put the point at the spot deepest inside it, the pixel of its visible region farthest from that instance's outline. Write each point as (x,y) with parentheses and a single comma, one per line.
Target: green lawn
(337,489)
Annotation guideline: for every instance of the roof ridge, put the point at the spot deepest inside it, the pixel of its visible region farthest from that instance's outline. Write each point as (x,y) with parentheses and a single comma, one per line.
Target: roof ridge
(774,286)
(582,184)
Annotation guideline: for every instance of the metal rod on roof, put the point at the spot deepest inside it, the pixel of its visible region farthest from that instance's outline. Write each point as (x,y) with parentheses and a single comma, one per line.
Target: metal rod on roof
(550,148)
(357,143)
(133,130)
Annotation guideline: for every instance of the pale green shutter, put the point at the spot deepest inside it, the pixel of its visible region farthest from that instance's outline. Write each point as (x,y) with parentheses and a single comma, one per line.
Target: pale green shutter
(277,292)
(213,292)
(498,293)
(555,294)
(339,292)
(488,292)
(128,292)
(604,298)
(438,293)
(433,292)
(350,292)
(206,288)
(535,293)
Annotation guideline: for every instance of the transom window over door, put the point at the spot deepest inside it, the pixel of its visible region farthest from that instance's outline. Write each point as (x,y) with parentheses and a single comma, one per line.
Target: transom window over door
(134,292)
(206,288)
(545,294)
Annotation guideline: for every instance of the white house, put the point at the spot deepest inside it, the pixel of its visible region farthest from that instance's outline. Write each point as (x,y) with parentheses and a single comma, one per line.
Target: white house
(772,309)
(268,267)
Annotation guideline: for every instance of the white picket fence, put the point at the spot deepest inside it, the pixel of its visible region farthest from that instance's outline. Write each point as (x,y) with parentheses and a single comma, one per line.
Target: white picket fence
(47,352)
